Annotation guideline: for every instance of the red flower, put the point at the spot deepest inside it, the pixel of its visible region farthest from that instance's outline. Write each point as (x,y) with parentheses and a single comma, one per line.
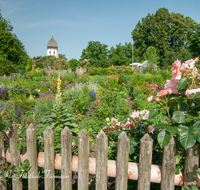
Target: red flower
(98,101)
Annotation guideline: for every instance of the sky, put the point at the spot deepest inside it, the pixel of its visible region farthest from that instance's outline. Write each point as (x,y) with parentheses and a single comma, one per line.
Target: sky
(76,22)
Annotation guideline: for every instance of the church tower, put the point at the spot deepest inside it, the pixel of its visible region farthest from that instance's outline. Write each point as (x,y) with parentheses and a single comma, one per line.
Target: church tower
(52,47)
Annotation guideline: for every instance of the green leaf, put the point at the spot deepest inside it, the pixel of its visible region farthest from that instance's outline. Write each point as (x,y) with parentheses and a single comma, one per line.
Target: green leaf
(26,162)
(2,126)
(185,188)
(183,107)
(182,128)
(193,114)
(193,96)
(198,137)
(10,167)
(182,83)
(4,173)
(178,158)
(187,139)
(172,130)
(198,171)
(197,108)
(163,138)
(19,146)
(159,126)
(153,113)
(193,187)
(178,116)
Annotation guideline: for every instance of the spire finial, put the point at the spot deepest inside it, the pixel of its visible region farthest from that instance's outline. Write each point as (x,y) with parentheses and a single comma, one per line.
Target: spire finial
(52,34)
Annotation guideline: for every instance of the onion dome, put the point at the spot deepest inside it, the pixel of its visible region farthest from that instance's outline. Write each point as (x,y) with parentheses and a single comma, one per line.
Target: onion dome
(52,43)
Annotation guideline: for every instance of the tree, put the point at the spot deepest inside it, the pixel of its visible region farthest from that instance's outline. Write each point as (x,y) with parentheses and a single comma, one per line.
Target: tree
(11,48)
(62,56)
(151,56)
(195,44)
(121,55)
(165,32)
(96,53)
(61,64)
(73,63)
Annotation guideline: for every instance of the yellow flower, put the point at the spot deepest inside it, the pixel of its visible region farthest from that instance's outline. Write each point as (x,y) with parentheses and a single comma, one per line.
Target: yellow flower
(115,89)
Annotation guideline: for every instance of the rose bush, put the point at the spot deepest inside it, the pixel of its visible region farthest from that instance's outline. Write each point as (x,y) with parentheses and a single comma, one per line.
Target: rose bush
(180,106)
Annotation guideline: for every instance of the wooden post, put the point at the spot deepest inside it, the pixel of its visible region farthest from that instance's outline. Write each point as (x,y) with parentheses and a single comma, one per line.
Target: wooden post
(101,161)
(3,184)
(49,159)
(168,166)
(191,165)
(66,159)
(83,160)
(122,162)
(32,157)
(144,177)
(15,156)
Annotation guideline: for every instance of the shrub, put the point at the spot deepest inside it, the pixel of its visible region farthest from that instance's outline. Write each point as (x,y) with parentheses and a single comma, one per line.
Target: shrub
(81,104)
(61,64)
(17,89)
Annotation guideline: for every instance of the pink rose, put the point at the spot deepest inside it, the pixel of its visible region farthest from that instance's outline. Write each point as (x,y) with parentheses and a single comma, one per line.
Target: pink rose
(197,59)
(135,114)
(73,144)
(194,91)
(163,93)
(157,99)
(151,129)
(150,98)
(172,84)
(145,114)
(176,74)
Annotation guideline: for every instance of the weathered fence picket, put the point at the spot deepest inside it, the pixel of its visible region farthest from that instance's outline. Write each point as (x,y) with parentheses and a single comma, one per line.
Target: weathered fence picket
(145,160)
(15,156)
(191,165)
(49,159)
(3,184)
(83,160)
(66,159)
(122,162)
(101,161)
(32,157)
(168,166)
(123,170)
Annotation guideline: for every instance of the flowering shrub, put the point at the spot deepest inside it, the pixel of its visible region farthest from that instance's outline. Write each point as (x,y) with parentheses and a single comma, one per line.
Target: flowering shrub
(17,89)
(180,104)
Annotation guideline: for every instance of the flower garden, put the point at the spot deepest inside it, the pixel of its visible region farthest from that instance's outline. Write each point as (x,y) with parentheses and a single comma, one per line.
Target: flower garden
(162,104)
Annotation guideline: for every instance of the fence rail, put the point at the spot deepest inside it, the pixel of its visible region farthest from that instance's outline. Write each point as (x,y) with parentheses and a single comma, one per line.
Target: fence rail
(123,170)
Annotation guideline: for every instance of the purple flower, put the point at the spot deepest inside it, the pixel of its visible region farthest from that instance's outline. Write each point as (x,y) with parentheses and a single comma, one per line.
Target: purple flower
(92,94)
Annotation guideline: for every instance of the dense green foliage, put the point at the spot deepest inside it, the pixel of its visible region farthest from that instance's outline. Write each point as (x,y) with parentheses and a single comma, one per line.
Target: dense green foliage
(164,31)
(12,50)
(96,53)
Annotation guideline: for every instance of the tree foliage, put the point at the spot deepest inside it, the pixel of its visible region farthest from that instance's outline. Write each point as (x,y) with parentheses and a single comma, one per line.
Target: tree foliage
(96,53)
(11,48)
(151,56)
(121,55)
(164,31)
(195,44)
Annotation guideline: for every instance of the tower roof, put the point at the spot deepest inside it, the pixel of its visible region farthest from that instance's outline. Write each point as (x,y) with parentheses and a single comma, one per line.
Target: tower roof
(52,43)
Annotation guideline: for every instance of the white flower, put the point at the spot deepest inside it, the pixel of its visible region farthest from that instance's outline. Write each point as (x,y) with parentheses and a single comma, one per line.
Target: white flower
(145,114)
(135,114)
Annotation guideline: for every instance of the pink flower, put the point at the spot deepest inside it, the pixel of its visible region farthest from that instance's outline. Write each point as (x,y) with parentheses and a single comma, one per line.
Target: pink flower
(150,98)
(163,93)
(51,97)
(176,74)
(107,119)
(157,99)
(151,129)
(197,59)
(45,97)
(73,181)
(73,144)
(172,84)
(194,91)
(106,128)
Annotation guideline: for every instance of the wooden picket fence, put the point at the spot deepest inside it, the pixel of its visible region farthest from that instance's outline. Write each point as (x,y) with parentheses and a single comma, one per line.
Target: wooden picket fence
(123,170)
